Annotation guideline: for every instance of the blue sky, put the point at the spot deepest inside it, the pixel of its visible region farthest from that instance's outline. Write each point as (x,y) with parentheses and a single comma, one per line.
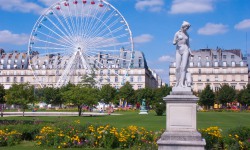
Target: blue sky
(214,23)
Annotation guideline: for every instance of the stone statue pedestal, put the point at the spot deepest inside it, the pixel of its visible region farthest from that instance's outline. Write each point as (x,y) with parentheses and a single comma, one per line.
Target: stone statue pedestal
(181,133)
(143,112)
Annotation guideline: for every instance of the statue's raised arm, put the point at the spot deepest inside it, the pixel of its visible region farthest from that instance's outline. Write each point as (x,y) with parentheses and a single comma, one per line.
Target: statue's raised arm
(181,40)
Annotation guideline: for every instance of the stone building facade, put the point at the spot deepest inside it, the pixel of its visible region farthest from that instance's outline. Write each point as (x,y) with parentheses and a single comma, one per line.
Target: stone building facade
(215,67)
(15,68)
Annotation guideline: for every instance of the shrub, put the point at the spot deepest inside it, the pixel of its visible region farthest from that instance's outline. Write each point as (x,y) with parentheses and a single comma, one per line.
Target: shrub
(160,108)
(8,138)
(238,139)
(213,137)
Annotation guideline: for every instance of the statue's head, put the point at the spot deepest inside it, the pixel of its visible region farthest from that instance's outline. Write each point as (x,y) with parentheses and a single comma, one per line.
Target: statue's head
(185,24)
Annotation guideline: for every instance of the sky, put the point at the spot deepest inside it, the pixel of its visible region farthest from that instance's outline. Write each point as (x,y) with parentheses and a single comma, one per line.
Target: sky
(214,23)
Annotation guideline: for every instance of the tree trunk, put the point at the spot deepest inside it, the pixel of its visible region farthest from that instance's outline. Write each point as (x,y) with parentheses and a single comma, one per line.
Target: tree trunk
(23,111)
(1,110)
(79,110)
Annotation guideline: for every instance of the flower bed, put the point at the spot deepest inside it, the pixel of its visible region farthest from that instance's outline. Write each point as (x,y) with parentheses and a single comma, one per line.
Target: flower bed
(8,138)
(96,136)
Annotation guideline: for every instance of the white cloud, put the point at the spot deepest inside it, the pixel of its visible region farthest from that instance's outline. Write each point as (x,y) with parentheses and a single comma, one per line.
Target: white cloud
(144,38)
(166,58)
(10,38)
(150,5)
(212,29)
(20,6)
(191,6)
(48,2)
(243,24)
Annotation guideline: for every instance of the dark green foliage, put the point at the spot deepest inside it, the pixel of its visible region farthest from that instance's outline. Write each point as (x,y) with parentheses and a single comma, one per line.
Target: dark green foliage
(107,93)
(243,96)
(207,97)
(21,94)
(226,94)
(126,92)
(160,108)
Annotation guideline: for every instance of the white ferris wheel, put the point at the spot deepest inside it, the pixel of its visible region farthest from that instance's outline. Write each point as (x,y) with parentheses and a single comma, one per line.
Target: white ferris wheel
(76,37)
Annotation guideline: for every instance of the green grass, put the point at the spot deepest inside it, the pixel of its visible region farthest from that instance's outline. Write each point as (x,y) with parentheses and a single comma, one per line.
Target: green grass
(224,120)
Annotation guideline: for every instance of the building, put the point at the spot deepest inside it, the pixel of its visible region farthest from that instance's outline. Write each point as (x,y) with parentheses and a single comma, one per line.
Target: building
(16,67)
(215,67)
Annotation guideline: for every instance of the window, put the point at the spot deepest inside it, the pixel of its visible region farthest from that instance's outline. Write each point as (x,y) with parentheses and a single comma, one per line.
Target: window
(216,64)
(116,79)
(233,86)
(191,64)
(108,72)
(131,79)
(216,77)
(101,72)
(139,86)
(215,56)
(232,56)
(199,71)
(216,88)
(224,56)
(233,77)
(139,78)
(207,64)
(116,71)
(8,79)
(233,63)
(208,78)
(199,64)
(199,78)
(241,63)
(224,64)
(14,80)
(241,78)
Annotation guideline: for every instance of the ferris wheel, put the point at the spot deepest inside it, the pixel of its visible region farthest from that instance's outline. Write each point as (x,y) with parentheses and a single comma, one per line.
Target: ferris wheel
(73,38)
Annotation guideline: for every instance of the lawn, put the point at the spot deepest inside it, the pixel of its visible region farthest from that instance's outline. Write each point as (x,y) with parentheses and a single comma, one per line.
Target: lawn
(224,120)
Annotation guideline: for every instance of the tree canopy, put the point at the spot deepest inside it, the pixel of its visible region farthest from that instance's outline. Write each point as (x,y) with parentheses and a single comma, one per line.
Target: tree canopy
(207,97)
(226,94)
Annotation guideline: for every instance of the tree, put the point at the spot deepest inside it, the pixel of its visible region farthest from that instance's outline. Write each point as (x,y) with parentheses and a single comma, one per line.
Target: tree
(21,94)
(243,96)
(89,79)
(226,94)
(51,95)
(145,93)
(107,93)
(2,100)
(159,104)
(207,97)
(81,95)
(126,92)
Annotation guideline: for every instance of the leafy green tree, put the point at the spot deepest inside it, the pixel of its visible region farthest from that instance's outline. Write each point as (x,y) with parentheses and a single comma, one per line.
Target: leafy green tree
(81,95)
(243,96)
(226,94)
(207,97)
(21,94)
(126,92)
(159,104)
(107,93)
(51,95)
(145,93)
(89,80)
(2,100)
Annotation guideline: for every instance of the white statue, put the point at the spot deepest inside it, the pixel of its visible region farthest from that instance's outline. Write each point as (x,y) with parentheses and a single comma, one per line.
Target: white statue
(181,40)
